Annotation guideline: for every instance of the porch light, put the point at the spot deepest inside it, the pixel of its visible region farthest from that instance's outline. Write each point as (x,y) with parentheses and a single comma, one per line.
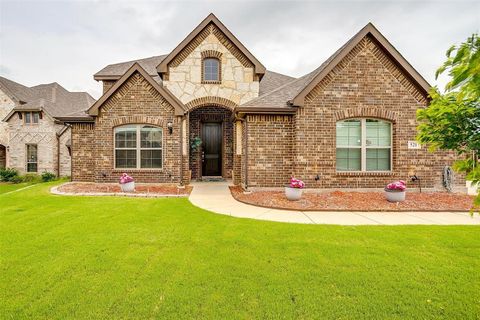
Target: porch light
(170,127)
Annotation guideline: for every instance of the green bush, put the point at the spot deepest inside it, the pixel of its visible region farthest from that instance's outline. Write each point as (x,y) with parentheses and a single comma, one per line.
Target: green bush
(48,176)
(17,179)
(31,177)
(7,174)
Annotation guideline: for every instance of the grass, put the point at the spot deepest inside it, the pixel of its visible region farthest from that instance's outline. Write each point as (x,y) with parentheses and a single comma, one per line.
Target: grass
(8,187)
(87,258)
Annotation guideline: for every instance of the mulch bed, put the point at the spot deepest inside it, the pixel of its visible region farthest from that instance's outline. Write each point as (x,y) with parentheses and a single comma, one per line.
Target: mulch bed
(157,189)
(356,201)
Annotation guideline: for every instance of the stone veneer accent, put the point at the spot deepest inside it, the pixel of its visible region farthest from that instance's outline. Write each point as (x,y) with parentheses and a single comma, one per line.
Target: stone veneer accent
(44,135)
(136,102)
(184,77)
(6,105)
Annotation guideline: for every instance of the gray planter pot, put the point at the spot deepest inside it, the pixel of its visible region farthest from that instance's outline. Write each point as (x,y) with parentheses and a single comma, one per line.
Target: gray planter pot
(128,187)
(395,195)
(293,194)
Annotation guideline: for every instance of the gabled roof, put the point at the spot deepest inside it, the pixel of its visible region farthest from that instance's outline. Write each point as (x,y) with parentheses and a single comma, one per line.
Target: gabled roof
(211,18)
(179,107)
(294,92)
(115,71)
(16,91)
(51,98)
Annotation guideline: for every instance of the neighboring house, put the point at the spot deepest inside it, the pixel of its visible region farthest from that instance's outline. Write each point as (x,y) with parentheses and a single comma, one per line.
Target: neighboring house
(32,140)
(349,123)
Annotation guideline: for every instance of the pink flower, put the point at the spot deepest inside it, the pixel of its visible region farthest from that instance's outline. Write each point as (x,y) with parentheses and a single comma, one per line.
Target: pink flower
(125,178)
(296,183)
(397,185)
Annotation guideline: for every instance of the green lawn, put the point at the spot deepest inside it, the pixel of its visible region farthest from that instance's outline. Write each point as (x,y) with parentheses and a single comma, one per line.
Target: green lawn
(7,186)
(117,258)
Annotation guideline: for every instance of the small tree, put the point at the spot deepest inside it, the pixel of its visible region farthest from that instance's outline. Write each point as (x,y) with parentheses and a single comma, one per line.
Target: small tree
(452,120)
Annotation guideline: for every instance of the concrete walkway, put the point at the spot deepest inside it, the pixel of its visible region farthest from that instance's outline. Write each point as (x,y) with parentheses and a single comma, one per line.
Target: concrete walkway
(216,197)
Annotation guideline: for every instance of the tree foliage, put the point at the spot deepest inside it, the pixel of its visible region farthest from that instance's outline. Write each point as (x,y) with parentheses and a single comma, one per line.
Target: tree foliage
(452,120)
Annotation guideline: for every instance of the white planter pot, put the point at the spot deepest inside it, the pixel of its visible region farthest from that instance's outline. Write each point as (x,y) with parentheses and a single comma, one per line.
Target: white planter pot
(293,194)
(128,187)
(472,189)
(395,196)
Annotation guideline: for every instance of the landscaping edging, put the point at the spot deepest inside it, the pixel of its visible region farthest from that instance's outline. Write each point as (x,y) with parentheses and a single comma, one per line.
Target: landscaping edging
(55,190)
(235,195)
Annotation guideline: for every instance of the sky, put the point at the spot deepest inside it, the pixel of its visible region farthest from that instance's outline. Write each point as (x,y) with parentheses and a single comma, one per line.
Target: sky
(68,41)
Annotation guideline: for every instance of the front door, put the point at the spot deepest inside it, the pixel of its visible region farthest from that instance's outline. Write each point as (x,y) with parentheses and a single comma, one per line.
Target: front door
(212,149)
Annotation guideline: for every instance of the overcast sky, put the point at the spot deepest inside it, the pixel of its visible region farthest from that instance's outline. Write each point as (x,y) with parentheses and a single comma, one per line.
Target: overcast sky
(68,41)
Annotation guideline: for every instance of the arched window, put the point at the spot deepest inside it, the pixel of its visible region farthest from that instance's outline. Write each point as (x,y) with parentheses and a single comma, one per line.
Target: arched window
(211,70)
(364,145)
(138,146)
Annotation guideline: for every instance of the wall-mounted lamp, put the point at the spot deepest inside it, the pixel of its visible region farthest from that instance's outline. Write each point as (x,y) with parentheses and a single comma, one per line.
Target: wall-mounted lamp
(170,127)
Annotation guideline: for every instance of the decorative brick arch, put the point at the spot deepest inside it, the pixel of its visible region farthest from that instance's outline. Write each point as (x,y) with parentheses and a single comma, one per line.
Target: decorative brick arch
(212,54)
(366,112)
(137,119)
(210,101)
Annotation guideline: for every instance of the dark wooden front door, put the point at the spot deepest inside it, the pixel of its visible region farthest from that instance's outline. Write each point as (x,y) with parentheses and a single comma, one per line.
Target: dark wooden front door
(212,149)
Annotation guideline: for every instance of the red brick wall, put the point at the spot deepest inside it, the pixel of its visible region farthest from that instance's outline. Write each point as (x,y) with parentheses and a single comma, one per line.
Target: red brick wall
(83,152)
(270,150)
(137,102)
(365,84)
(211,114)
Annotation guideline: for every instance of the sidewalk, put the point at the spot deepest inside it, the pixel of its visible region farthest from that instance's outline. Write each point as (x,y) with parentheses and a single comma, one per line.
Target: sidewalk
(216,197)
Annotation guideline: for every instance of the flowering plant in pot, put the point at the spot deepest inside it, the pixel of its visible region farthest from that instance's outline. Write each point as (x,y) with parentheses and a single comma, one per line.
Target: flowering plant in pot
(127,183)
(293,191)
(395,191)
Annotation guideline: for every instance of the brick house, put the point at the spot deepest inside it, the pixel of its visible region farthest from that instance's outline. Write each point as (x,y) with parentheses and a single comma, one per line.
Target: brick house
(32,140)
(209,108)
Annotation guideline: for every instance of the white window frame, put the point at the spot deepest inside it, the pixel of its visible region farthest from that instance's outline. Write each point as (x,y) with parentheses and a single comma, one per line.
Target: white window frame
(363,146)
(138,147)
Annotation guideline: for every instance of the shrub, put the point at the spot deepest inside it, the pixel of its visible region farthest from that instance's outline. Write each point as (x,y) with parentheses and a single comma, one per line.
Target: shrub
(48,176)
(31,177)
(8,174)
(17,179)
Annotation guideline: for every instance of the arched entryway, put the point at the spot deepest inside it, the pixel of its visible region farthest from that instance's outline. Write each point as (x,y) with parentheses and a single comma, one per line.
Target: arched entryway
(212,126)
(3,156)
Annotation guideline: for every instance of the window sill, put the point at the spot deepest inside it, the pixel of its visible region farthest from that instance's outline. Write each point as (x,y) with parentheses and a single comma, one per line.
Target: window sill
(121,170)
(211,82)
(364,173)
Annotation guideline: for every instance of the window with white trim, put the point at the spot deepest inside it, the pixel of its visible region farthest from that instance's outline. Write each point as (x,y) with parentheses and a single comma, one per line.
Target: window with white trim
(138,147)
(364,145)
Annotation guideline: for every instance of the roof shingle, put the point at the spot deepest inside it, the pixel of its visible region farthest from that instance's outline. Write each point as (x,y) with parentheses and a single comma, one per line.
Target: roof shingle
(52,98)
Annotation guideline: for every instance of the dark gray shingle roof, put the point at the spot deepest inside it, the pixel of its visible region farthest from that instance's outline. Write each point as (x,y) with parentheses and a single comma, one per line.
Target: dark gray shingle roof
(52,98)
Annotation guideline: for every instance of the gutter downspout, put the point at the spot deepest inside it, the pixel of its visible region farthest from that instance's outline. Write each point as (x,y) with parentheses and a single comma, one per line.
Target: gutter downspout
(58,135)
(58,155)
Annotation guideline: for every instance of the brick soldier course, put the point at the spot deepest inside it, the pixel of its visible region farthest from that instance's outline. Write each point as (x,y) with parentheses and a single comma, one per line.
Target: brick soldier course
(272,126)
